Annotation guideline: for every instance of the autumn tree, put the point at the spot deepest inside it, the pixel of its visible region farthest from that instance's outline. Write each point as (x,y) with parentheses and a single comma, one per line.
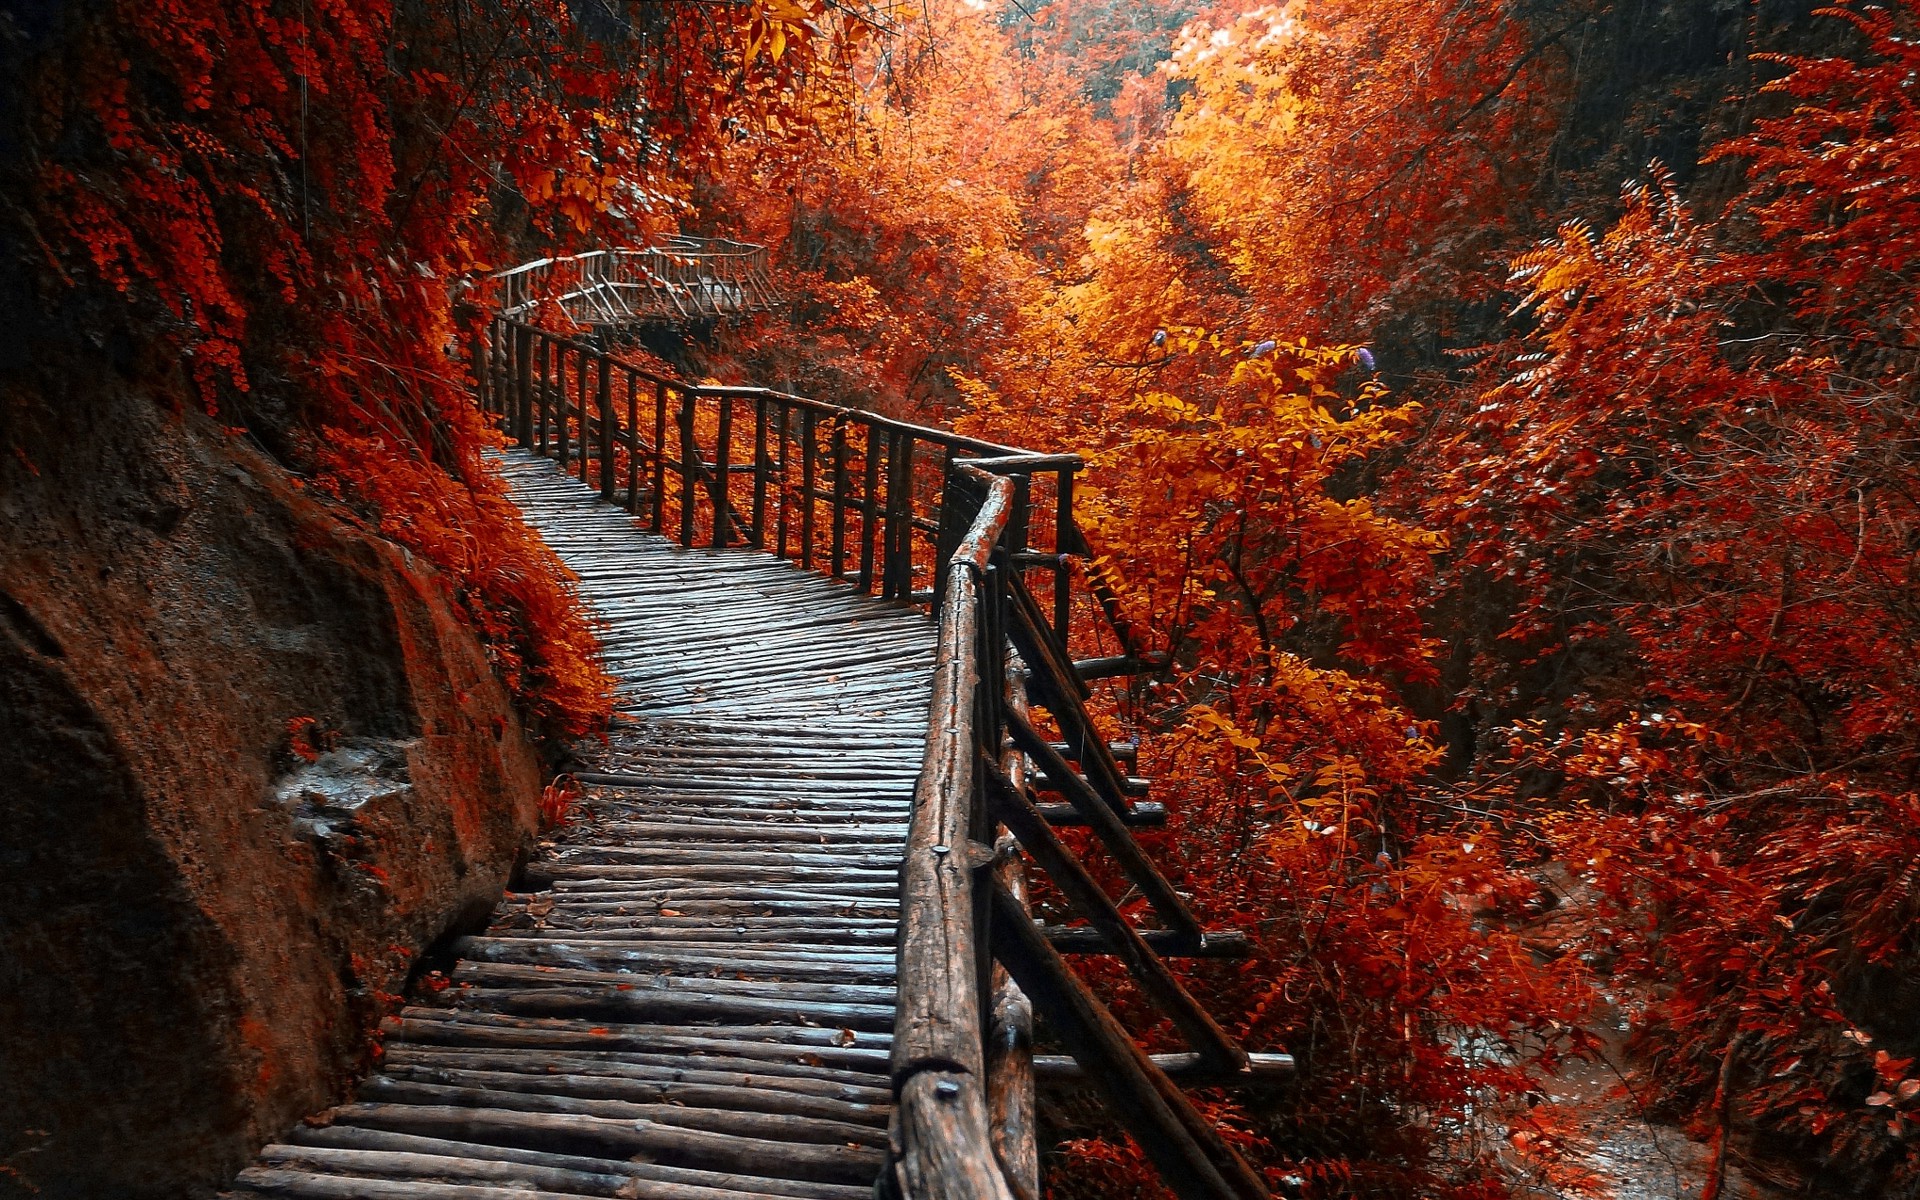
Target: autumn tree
(1693,494)
(290,202)
(914,222)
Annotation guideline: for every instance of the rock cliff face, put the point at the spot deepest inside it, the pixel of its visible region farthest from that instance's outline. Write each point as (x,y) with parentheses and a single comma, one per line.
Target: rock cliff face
(198,925)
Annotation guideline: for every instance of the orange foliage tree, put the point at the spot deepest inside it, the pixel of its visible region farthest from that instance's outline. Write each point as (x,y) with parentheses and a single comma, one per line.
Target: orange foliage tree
(918,219)
(1692,494)
(1351,161)
(289,198)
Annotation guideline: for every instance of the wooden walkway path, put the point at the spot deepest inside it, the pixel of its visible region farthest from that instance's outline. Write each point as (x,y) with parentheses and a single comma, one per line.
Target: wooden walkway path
(701,1005)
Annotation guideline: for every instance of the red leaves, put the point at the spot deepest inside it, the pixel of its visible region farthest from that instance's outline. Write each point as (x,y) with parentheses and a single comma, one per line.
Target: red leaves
(557,802)
(308,739)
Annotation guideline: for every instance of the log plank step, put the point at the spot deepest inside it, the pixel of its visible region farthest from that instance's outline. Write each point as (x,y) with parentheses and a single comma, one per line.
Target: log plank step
(640,1174)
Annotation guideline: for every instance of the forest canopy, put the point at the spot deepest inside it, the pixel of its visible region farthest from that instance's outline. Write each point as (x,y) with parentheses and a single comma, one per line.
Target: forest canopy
(1503,414)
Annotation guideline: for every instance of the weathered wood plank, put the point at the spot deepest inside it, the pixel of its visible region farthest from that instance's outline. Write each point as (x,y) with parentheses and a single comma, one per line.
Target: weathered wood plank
(349,1137)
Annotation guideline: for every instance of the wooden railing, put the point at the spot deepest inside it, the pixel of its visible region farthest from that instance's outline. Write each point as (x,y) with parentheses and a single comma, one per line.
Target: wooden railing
(850,493)
(679,279)
(920,515)
(973,962)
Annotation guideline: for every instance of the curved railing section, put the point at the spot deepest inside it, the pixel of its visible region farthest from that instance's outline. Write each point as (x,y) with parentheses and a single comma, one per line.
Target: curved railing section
(972,528)
(681,279)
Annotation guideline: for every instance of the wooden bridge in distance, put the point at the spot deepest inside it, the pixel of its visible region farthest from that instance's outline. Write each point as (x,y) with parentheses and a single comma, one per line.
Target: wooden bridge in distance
(785,950)
(607,291)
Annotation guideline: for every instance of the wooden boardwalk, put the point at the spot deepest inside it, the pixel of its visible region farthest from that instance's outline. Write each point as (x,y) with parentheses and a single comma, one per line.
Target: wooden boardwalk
(701,1005)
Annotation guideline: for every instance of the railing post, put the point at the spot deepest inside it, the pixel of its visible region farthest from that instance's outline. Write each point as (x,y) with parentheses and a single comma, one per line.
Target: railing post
(689,458)
(660,456)
(722,472)
(523,386)
(1062,540)
(477,363)
(783,416)
(586,440)
(809,434)
(897,572)
(760,473)
(869,508)
(605,398)
(543,354)
(562,406)
(633,445)
(960,501)
(839,561)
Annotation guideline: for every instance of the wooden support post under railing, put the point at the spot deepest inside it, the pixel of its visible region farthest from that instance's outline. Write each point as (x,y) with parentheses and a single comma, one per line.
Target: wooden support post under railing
(544,369)
(809,435)
(760,471)
(897,579)
(839,549)
(506,335)
(582,433)
(723,474)
(633,445)
(782,418)
(869,508)
(1062,539)
(587,436)
(604,401)
(1012,1113)
(1191,1156)
(523,385)
(560,404)
(659,523)
(689,459)
(482,379)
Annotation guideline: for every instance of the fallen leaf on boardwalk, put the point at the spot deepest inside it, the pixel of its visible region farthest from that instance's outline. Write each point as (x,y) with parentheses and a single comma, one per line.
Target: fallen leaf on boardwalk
(846,1037)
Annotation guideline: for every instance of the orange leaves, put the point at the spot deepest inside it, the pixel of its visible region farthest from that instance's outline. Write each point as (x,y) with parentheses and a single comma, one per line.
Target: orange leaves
(284,199)
(1342,155)
(1229,529)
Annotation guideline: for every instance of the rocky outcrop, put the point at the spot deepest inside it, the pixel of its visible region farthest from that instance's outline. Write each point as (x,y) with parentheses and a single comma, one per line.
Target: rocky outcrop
(250,766)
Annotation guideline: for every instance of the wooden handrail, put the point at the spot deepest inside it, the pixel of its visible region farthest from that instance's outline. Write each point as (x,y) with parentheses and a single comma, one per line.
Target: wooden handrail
(852,492)
(959,916)
(677,280)
(912,513)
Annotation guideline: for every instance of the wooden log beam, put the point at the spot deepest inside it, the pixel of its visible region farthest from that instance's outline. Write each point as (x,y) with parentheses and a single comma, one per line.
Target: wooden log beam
(1185,1068)
(802,1132)
(1214,1045)
(1218,943)
(1125,753)
(939,1143)
(616,1137)
(1142,814)
(1191,1156)
(938,1026)
(1100,813)
(641,1179)
(1118,666)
